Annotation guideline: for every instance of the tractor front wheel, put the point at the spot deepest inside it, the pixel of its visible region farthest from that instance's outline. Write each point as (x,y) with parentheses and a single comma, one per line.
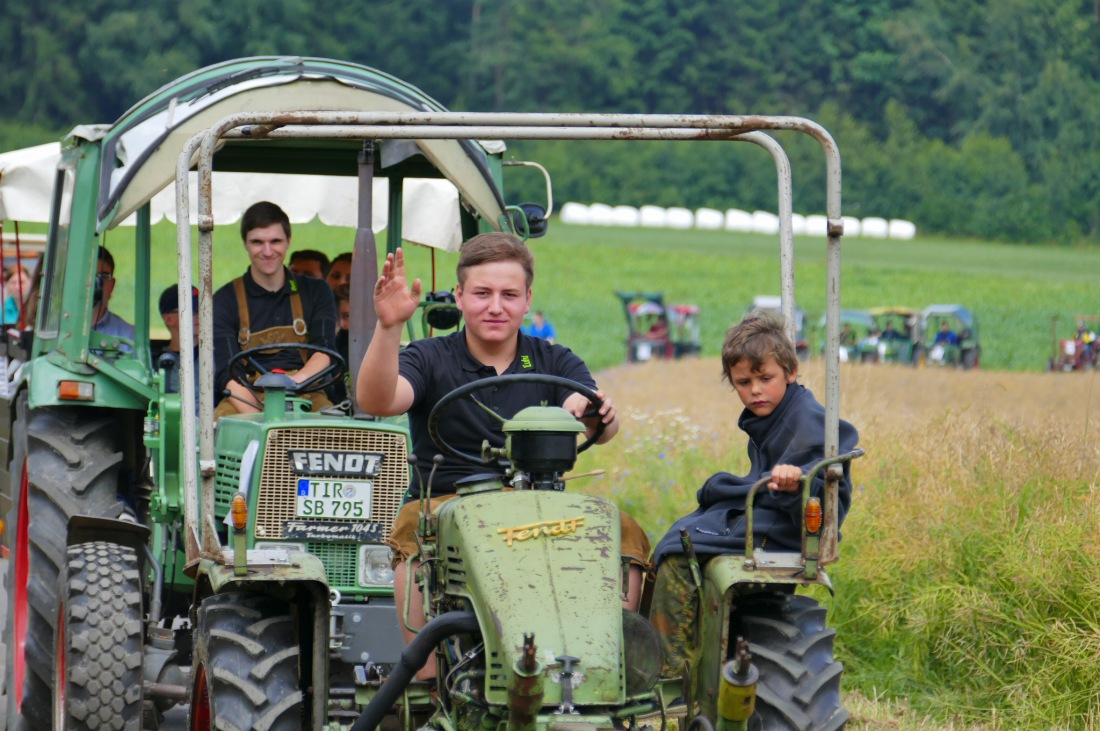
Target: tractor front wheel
(98,660)
(66,463)
(799,686)
(246,672)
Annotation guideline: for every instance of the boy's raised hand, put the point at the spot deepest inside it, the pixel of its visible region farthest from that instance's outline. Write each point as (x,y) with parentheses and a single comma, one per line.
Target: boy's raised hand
(785,478)
(394,301)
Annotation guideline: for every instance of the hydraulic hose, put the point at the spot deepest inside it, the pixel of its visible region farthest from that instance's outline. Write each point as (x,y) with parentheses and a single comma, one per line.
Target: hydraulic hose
(412,659)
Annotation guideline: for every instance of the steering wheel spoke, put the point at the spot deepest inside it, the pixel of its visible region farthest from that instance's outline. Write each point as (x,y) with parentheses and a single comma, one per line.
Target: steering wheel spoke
(319,381)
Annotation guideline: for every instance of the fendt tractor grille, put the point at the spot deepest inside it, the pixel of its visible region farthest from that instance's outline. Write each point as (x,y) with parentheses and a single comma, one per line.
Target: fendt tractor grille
(276,500)
(340,561)
(227,480)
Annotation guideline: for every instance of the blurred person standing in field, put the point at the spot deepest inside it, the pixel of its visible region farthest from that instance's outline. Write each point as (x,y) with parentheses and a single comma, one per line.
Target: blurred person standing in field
(540,328)
(786,429)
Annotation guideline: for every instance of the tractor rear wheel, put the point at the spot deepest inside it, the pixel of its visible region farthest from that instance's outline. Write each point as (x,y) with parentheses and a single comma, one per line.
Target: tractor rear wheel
(246,672)
(98,661)
(799,686)
(66,463)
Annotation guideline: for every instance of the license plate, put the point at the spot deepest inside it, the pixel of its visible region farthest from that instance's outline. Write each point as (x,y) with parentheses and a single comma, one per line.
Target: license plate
(333,499)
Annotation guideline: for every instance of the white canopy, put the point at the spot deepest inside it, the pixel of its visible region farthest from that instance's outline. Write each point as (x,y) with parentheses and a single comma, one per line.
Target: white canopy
(430,213)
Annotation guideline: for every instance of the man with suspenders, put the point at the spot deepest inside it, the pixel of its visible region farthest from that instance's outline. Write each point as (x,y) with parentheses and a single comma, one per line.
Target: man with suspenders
(270,304)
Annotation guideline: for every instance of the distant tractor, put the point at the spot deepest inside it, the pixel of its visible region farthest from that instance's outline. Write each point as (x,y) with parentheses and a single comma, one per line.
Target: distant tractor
(948,335)
(1078,352)
(657,330)
(894,336)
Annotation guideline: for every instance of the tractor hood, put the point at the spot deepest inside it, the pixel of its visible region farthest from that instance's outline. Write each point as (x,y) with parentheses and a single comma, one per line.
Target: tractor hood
(543,563)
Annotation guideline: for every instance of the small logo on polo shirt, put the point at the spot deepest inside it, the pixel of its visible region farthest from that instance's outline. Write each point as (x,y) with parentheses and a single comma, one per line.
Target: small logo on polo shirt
(525,361)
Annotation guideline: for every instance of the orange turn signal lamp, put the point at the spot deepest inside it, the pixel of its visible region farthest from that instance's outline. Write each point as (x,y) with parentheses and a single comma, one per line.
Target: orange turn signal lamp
(813,515)
(76,391)
(239,511)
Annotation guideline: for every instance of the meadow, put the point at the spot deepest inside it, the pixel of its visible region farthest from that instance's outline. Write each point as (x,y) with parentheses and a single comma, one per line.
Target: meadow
(968,585)
(968,589)
(1015,290)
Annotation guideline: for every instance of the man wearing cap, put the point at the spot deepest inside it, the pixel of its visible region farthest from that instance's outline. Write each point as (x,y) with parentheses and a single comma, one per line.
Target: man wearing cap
(270,305)
(168,361)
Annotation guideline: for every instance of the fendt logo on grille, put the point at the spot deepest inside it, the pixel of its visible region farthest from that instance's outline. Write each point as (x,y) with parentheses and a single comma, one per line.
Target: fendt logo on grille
(336,464)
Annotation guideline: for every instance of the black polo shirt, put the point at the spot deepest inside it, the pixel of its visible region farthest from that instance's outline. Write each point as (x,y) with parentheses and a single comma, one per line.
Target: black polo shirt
(436,366)
(268,309)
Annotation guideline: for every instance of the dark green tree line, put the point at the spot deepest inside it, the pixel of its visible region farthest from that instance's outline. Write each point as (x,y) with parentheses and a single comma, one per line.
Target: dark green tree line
(971,118)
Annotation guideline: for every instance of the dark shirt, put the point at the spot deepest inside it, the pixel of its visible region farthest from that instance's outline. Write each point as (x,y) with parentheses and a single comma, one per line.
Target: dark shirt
(436,366)
(268,309)
(792,434)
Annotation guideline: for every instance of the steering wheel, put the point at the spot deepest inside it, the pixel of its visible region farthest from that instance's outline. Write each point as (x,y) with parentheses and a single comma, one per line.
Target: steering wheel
(319,381)
(483,384)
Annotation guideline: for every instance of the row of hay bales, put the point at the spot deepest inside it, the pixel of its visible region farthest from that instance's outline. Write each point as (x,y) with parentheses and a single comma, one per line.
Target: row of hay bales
(763,222)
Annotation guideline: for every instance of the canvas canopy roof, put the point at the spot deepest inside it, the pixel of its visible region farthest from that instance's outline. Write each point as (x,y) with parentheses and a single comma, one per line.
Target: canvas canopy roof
(430,206)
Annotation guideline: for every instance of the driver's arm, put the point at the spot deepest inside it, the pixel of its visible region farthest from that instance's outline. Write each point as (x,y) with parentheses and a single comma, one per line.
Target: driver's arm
(316,363)
(576,404)
(379,388)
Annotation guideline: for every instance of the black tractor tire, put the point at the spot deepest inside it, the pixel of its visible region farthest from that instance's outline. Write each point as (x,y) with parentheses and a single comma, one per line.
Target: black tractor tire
(970,358)
(100,639)
(247,665)
(72,461)
(799,685)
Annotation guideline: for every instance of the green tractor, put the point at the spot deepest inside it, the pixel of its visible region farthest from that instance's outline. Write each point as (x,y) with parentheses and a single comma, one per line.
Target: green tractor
(894,336)
(105,469)
(242,570)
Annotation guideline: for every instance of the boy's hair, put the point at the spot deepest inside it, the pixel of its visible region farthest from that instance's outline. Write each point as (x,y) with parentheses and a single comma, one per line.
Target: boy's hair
(495,246)
(346,256)
(262,215)
(342,293)
(311,255)
(756,337)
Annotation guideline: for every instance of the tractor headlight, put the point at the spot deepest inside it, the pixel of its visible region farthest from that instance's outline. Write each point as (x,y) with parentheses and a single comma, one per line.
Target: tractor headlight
(374,566)
(290,548)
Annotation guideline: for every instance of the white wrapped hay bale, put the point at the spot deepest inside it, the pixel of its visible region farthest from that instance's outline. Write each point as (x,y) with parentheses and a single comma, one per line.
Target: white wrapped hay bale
(798,224)
(764,222)
(653,216)
(874,228)
(738,220)
(901,229)
(626,216)
(679,217)
(817,225)
(709,219)
(851,225)
(601,214)
(574,213)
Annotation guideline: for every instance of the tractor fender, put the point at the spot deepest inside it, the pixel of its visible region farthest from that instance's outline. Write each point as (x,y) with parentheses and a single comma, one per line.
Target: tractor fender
(89,529)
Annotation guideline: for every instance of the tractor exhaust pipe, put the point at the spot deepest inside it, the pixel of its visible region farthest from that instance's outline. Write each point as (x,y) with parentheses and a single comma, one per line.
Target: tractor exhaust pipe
(412,659)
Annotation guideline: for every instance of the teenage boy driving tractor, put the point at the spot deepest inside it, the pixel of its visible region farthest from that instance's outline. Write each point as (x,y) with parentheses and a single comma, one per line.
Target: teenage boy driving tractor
(495,272)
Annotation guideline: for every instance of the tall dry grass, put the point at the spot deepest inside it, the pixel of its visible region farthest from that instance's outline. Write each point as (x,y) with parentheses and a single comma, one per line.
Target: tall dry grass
(969,582)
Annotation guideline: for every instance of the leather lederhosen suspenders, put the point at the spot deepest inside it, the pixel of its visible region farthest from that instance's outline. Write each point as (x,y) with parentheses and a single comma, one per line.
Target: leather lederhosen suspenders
(296,332)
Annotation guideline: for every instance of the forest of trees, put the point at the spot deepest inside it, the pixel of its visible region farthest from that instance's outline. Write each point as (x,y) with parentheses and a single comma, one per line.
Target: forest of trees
(970,118)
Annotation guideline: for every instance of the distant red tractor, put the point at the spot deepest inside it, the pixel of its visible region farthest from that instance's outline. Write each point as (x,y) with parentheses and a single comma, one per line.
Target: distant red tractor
(657,330)
(1078,352)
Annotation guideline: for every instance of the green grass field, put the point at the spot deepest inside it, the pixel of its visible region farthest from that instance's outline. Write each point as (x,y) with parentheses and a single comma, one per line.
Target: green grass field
(1014,290)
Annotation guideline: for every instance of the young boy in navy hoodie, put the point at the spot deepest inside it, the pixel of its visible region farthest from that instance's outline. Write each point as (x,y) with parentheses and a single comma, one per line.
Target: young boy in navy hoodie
(786,429)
